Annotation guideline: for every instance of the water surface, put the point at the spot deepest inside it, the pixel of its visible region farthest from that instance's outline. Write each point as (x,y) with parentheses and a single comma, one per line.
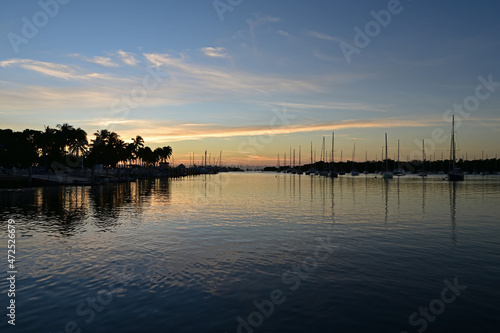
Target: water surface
(353,254)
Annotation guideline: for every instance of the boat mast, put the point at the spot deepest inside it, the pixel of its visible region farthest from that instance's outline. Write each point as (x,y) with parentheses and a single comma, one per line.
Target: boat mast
(423,155)
(353,155)
(453,140)
(323,151)
(398,156)
(366,160)
(382,160)
(311,153)
(333,143)
(299,155)
(386,160)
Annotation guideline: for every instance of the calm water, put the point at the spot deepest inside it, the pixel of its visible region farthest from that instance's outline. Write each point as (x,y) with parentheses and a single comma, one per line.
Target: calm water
(203,254)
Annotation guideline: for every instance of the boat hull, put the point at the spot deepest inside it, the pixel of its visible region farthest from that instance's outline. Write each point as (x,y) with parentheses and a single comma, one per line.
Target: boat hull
(388,175)
(455,177)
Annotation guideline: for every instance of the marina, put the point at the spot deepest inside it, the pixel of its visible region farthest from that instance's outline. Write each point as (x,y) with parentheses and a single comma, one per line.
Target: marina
(249,166)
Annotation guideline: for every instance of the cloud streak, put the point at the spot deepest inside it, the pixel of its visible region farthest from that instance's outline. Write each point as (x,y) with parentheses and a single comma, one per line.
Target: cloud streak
(217,81)
(103,61)
(259,20)
(162,132)
(215,52)
(323,36)
(128,58)
(60,71)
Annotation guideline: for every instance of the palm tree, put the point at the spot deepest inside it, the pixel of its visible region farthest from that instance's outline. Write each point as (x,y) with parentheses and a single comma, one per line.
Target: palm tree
(147,156)
(108,148)
(134,146)
(65,133)
(166,153)
(158,153)
(74,139)
(52,146)
(78,142)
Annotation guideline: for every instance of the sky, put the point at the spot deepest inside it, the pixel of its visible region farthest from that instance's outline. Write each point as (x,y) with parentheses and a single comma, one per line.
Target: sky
(254,79)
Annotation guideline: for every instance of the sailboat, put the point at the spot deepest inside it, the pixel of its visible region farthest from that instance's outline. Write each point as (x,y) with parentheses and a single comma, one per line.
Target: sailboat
(399,171)
(455,174)
(311,171)
(387,173)
(354,172)
(423,173)
(324,158)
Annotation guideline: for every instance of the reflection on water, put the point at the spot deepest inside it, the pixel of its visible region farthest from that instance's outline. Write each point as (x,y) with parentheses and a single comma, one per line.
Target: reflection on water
(65,210)
(195,253)
(453,199)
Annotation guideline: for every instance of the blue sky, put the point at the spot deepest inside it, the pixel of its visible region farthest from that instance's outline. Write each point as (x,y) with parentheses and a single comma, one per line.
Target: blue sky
(175,73)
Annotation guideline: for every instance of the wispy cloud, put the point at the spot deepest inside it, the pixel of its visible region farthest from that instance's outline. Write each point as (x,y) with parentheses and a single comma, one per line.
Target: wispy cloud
(215,52)
(103,61)
(53,99)
(328,106)
(323,36)
(186,83)
(128,57)
(284,34)
(162,132)
(225,81)
(258,20)
(321,56)
(261,19)
(60,71)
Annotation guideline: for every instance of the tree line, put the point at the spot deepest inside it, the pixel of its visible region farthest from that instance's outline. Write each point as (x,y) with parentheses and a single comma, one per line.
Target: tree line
(69,146)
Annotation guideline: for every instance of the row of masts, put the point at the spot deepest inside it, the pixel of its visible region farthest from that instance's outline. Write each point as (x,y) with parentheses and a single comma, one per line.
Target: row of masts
(397,159)
(454,173)
(323,158)
(206,160)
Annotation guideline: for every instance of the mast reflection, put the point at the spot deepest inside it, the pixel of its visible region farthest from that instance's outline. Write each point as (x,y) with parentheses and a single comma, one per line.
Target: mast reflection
(453,194)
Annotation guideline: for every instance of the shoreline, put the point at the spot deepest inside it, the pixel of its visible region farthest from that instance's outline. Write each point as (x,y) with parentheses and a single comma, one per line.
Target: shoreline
(22,179)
